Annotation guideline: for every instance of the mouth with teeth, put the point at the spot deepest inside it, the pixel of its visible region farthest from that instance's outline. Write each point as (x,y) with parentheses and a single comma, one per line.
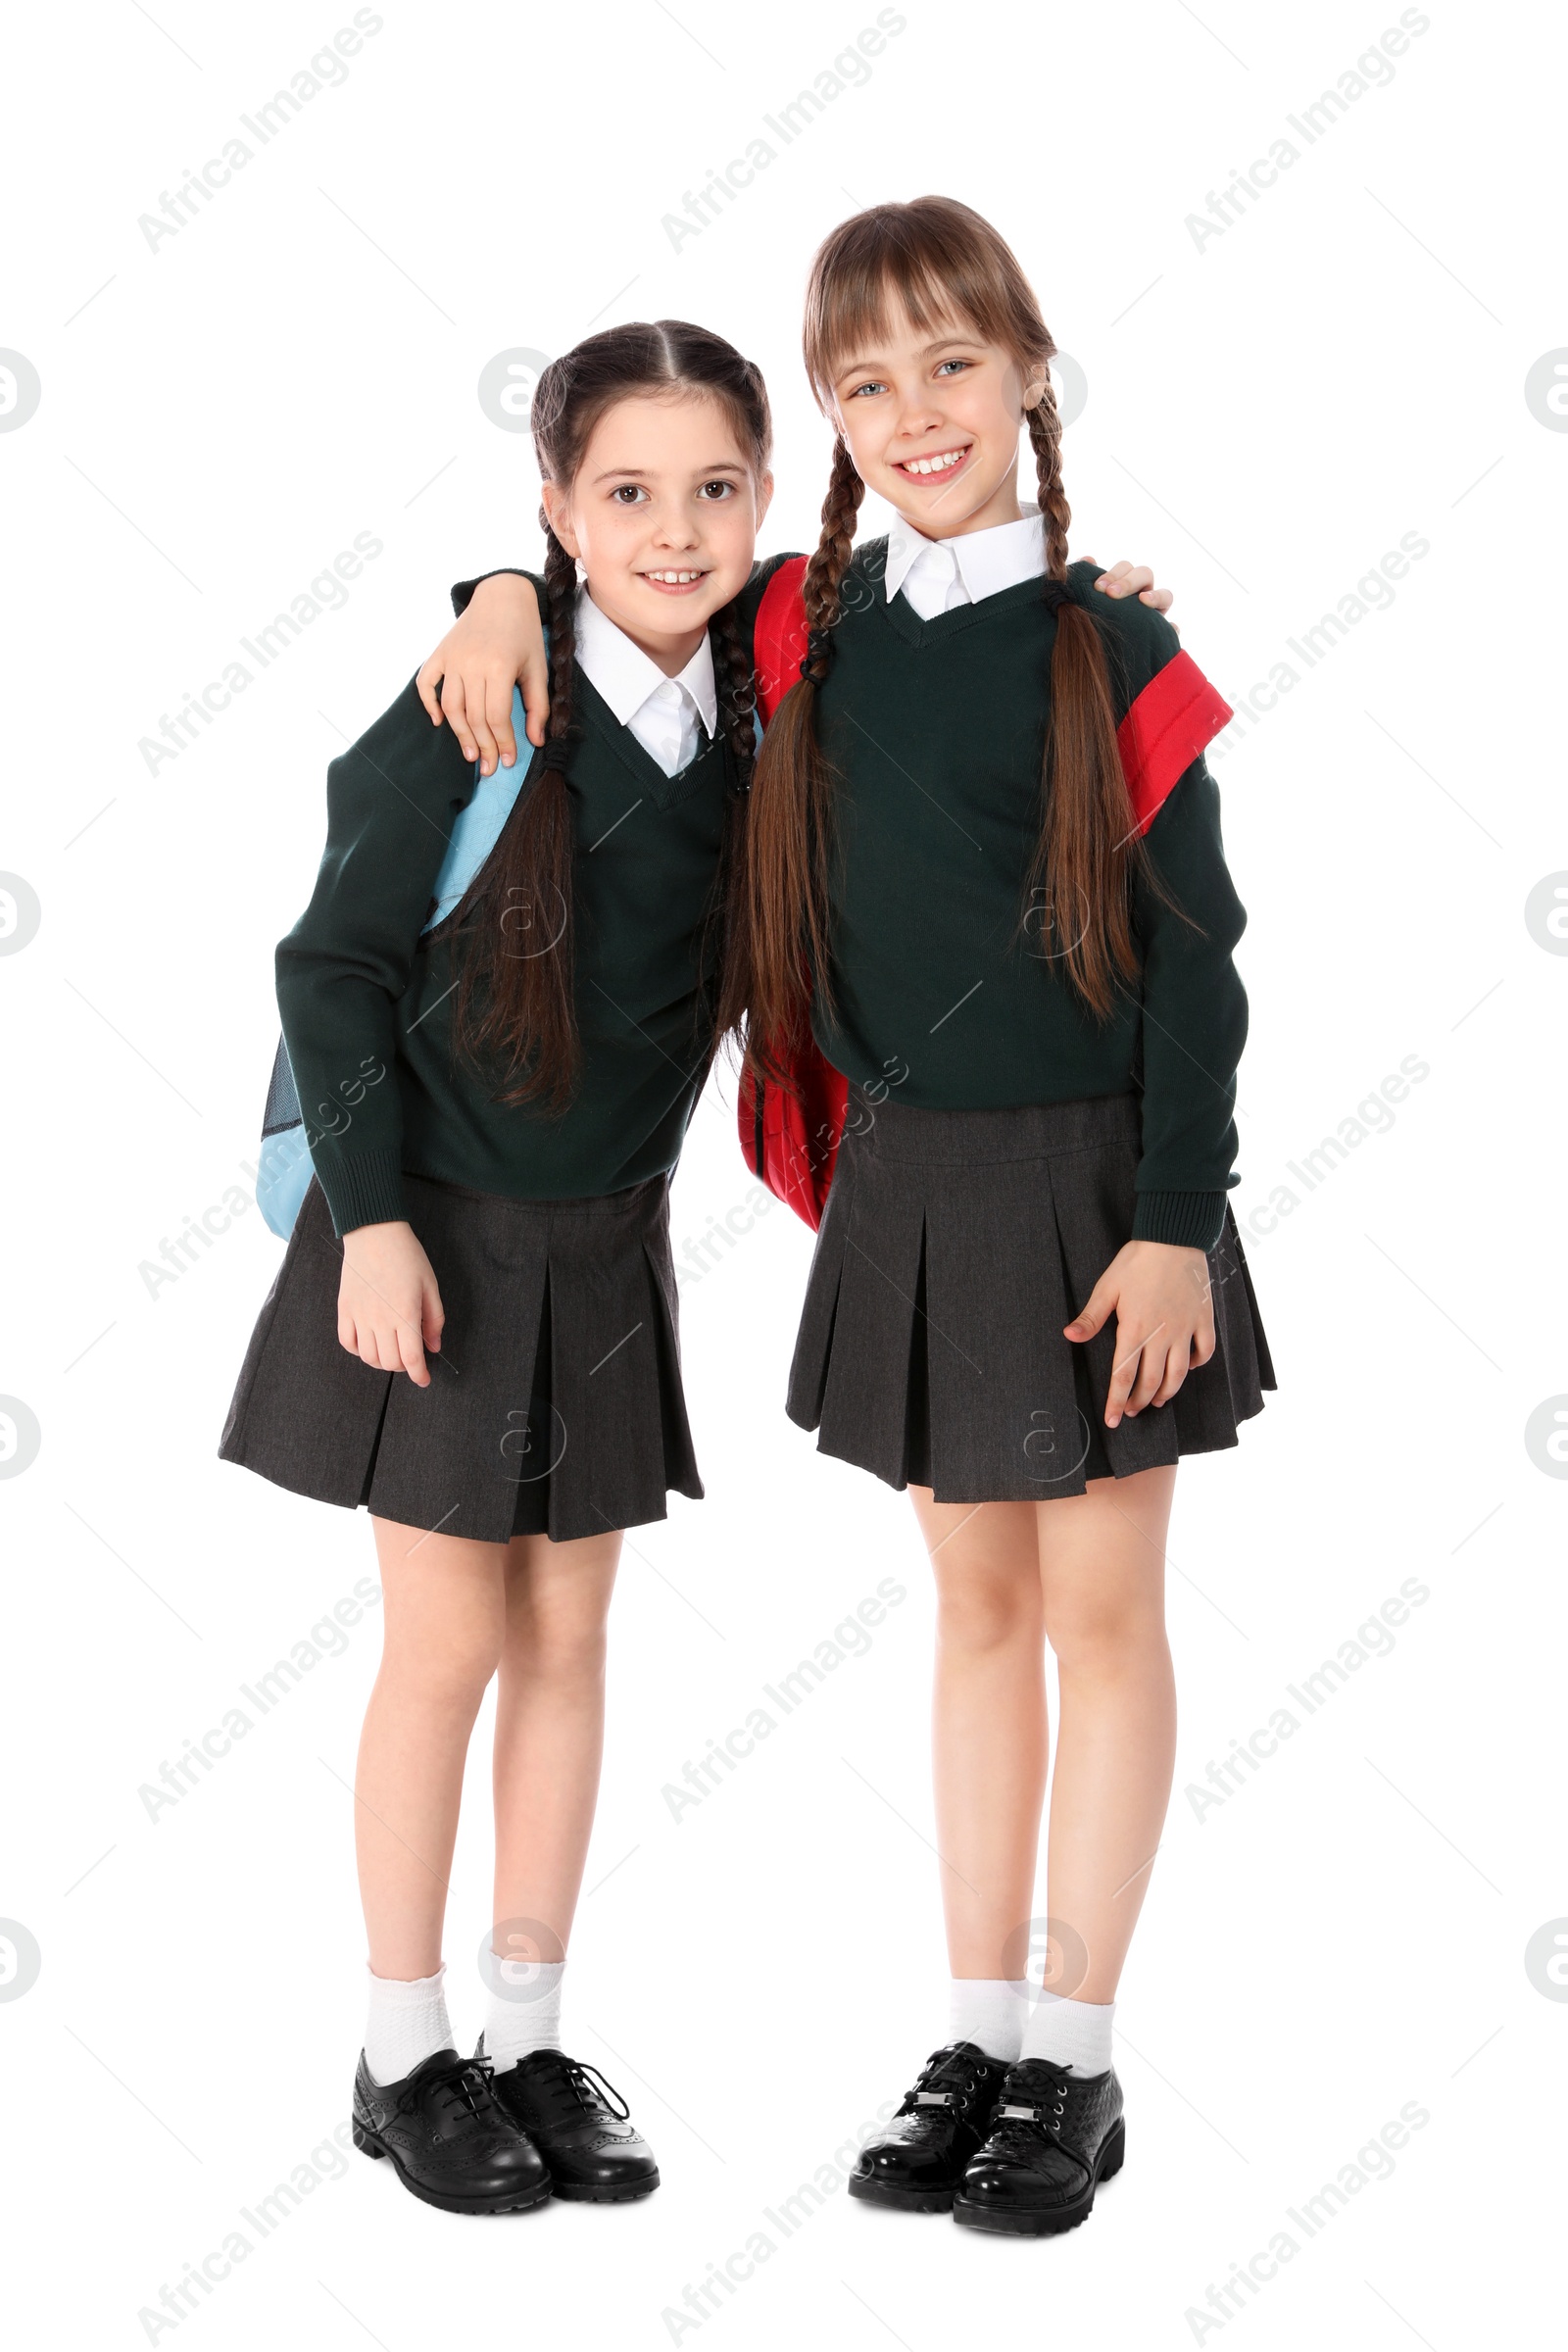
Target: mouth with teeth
(936,468)
(674,580)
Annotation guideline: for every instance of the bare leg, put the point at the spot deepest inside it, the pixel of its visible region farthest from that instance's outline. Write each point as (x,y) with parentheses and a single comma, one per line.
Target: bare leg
(1102,1573)
(989,1741)
(550,1728)
(444,1607)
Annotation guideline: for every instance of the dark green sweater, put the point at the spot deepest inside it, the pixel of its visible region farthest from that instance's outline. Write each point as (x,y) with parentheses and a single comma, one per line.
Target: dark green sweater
(361,990)
(937,729)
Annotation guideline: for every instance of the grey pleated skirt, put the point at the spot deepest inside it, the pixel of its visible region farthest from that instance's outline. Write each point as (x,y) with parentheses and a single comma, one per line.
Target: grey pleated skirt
(555,1405)
(954,1247)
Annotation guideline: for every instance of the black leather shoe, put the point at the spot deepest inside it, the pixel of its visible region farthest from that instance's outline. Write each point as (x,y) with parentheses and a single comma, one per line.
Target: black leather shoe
(581,2125)
(919,2160)
(449,2140)
(1055,2136)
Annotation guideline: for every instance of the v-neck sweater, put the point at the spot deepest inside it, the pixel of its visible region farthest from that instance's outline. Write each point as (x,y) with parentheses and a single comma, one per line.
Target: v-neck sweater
(367,996)
(936,732)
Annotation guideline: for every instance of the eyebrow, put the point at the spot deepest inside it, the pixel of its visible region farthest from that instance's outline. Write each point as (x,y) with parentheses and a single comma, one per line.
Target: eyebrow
(927,350)
(703,473)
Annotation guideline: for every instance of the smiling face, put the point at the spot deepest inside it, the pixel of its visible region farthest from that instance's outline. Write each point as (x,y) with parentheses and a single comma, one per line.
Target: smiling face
(931,415)
(663,514)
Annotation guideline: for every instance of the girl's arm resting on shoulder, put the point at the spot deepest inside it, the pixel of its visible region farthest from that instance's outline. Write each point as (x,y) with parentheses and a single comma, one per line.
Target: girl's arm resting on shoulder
(496,642)
(391,802)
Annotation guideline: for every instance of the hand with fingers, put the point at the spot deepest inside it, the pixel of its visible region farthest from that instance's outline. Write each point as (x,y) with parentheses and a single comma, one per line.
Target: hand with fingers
(1123,580)
(1164,1310)
(389,1307)
(496,644)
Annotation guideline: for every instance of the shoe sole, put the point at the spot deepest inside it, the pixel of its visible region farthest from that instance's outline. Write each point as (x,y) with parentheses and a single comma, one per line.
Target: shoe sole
(1016,2222)
(367,2141)
(902,2200)
(573,2193)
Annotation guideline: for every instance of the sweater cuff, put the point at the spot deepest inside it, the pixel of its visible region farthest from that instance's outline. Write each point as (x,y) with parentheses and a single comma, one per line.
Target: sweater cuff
(462,590)
(1184,1220)
(363,1188)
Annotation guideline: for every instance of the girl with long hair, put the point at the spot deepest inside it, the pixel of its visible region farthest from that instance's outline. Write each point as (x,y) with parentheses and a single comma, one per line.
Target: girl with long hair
(473,1331)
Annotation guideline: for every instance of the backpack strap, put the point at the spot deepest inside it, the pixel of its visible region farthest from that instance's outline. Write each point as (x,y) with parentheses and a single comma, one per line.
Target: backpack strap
(480,825)
(779,637)
(1174,718)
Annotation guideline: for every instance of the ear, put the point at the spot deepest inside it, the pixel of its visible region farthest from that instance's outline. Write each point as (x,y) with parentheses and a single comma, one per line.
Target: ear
(1036,379)
(765,498)
(557,503)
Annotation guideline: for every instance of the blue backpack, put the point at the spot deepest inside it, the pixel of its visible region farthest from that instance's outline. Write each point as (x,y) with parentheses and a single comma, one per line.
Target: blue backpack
(285,1168)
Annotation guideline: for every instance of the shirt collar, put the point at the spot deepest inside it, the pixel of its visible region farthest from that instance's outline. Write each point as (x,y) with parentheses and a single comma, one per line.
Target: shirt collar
(987,561)
(623,674)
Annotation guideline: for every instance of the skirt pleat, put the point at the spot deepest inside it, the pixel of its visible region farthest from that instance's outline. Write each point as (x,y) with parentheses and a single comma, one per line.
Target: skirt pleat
(955,1247)
(555,1404)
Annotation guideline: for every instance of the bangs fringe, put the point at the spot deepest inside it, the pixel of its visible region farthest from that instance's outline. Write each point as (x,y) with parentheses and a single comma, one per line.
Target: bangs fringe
(935,260)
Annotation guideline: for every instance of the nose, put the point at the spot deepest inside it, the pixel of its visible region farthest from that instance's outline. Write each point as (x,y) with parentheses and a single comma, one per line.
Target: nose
(675,525)
(918,413)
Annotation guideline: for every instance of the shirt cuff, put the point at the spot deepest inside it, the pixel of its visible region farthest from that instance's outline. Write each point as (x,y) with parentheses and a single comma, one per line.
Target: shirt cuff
(1184,1220)
(363,1188)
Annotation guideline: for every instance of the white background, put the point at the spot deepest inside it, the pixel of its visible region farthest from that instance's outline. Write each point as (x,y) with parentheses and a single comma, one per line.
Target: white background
(1267,414)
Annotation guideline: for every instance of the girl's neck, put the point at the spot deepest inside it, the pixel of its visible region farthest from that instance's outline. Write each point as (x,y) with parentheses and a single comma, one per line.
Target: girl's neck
(668,653)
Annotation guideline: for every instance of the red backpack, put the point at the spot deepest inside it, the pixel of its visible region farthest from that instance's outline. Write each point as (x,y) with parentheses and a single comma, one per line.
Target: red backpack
(791,1140)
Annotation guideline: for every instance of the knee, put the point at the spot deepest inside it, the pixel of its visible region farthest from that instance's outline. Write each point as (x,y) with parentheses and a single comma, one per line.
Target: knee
(1103,1637)
(981,1614)
(563,1647)
(450,1674)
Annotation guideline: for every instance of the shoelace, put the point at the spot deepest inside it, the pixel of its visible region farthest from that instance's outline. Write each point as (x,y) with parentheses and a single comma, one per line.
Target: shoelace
(1018,2113)
(573,2078)
(464,2085)
(945,2084)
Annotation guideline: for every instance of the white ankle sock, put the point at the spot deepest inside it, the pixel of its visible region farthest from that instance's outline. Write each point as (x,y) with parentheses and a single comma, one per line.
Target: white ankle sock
(407,2024)
(987,2011)
(513,2026)
(1072,2034)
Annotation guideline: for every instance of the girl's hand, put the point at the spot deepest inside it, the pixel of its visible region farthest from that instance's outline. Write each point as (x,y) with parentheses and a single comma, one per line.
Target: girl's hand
(1122,580)
(1164,1314)
(388,1308)
(498,644)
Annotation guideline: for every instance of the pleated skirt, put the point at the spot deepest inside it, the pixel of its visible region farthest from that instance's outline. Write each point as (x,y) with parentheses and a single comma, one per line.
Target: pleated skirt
(554,1405)
(954,1247)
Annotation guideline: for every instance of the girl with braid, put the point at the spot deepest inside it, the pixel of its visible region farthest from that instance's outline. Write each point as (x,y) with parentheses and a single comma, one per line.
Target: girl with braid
(473,1331)
(987,888)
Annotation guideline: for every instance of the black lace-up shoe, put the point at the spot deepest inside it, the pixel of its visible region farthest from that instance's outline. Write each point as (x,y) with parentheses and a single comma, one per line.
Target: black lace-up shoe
(449,2140)
(1055,2136)
(581,2125)
(919,2161)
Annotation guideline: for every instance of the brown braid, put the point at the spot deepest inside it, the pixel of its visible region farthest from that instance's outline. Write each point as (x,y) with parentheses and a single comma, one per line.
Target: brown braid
(1080,877)
(522,900)
(736,685)
(514,1011)
(784,952)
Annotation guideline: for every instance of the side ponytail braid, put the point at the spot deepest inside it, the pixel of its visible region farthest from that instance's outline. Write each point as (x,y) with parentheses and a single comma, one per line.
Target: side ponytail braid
(785,949)
(522,897)
(1080,879)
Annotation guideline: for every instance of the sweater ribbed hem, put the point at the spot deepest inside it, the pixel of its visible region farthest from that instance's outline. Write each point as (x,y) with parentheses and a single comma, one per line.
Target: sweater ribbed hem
(363,1188)
(1184,1220)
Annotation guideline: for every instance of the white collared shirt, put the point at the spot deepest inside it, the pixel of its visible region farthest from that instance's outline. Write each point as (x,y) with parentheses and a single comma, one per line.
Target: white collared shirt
(667,715)
(938,575)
